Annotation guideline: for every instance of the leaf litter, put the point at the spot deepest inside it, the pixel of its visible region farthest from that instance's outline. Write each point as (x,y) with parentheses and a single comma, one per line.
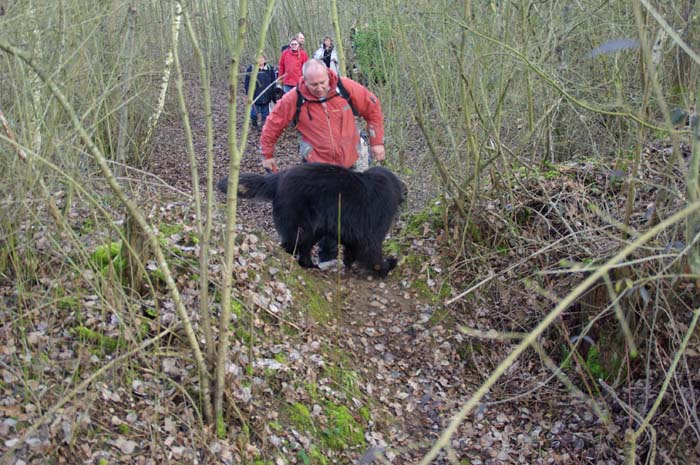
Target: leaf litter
(388,346)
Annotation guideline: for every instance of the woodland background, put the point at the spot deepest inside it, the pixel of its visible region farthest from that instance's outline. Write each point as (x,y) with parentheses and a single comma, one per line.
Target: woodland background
(551,150)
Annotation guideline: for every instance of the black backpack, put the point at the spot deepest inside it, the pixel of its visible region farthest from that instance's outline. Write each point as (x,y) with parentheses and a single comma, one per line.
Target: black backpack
(340,90)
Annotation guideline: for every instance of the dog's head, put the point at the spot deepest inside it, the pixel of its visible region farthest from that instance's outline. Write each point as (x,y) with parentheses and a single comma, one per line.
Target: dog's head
(386,178)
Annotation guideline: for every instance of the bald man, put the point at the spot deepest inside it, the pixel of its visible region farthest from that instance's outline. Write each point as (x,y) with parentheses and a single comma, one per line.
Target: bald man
(326,124)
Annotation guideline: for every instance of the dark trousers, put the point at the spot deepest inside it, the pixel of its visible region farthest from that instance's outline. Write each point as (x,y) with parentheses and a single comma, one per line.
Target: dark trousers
(264,111)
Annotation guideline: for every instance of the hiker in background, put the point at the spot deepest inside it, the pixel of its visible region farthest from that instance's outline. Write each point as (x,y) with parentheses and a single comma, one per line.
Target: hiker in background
(264,91)
(301,39)
(299,36)
(291,61)
(323,108)
(327,54)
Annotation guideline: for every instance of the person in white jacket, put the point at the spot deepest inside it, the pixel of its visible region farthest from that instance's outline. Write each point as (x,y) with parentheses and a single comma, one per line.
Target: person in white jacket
(327,54)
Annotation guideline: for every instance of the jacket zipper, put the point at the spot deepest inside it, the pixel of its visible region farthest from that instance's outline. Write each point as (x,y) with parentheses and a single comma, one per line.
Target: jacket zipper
(330,134)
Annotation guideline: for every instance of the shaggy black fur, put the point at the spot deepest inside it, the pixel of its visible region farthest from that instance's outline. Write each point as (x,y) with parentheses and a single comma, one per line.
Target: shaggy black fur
(305,202)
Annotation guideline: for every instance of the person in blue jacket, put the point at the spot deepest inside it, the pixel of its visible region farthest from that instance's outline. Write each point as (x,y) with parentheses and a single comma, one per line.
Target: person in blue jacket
(264,91)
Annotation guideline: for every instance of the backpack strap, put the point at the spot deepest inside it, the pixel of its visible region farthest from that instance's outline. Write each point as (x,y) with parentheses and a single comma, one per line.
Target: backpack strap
(340,90)
(343,92)
(300,102)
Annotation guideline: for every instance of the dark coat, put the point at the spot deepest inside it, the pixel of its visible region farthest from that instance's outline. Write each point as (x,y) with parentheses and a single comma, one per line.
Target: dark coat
(266,77)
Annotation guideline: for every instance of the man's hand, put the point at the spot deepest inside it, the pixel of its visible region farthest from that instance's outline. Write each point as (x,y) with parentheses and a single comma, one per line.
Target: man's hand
(270,164)
(378,152)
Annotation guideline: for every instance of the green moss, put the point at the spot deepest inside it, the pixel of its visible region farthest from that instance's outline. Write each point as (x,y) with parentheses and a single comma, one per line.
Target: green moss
(433,215)
(104,254)
(124,428)
(105,343)
(312,390)
(318,307)
(345,380)
(392,247)
(167,230)
(312,457)
(237,308)
(414,261)
(309,291)
(151,313)
(68,303)
(275,426)
(300,417)
(108,257)
(87,227)
(426,293)
(422,288)
(343,430)
(444,291)
(365,413)
(594,364)
(600,364)
(317,457)
(240,327)
(220,426)
(103,461)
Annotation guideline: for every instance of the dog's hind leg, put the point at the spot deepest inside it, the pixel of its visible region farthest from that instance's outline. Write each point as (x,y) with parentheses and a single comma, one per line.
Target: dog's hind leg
(298,244)
(374,260)
(349,254)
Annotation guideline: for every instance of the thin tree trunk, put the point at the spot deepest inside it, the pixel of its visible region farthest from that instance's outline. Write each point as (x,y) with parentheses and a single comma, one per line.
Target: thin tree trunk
(205,230)
(338,37)
(123,126)
(235,152)
(160,104)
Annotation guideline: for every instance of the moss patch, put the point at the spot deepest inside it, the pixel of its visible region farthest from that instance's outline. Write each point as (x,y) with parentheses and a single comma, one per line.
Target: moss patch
(426,293)
(309,291)
(300,417)
(106,343)
(109,255)
(167,230)
(343,430)
(432,215)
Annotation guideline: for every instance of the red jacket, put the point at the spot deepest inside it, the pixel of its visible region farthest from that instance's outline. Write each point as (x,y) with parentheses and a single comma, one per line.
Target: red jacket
(290,66)
(328,128)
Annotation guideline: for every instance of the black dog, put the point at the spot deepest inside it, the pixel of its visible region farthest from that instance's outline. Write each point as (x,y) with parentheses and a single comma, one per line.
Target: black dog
(306,200)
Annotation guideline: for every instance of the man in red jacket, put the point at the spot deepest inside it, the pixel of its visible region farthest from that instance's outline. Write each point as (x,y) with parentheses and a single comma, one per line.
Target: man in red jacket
(326,124)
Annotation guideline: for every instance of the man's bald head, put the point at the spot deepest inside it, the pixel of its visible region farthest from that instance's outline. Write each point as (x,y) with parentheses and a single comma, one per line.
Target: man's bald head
(316,78)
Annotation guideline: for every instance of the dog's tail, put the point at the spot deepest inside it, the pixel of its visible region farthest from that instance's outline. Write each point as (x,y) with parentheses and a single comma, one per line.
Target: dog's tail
(253,186)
